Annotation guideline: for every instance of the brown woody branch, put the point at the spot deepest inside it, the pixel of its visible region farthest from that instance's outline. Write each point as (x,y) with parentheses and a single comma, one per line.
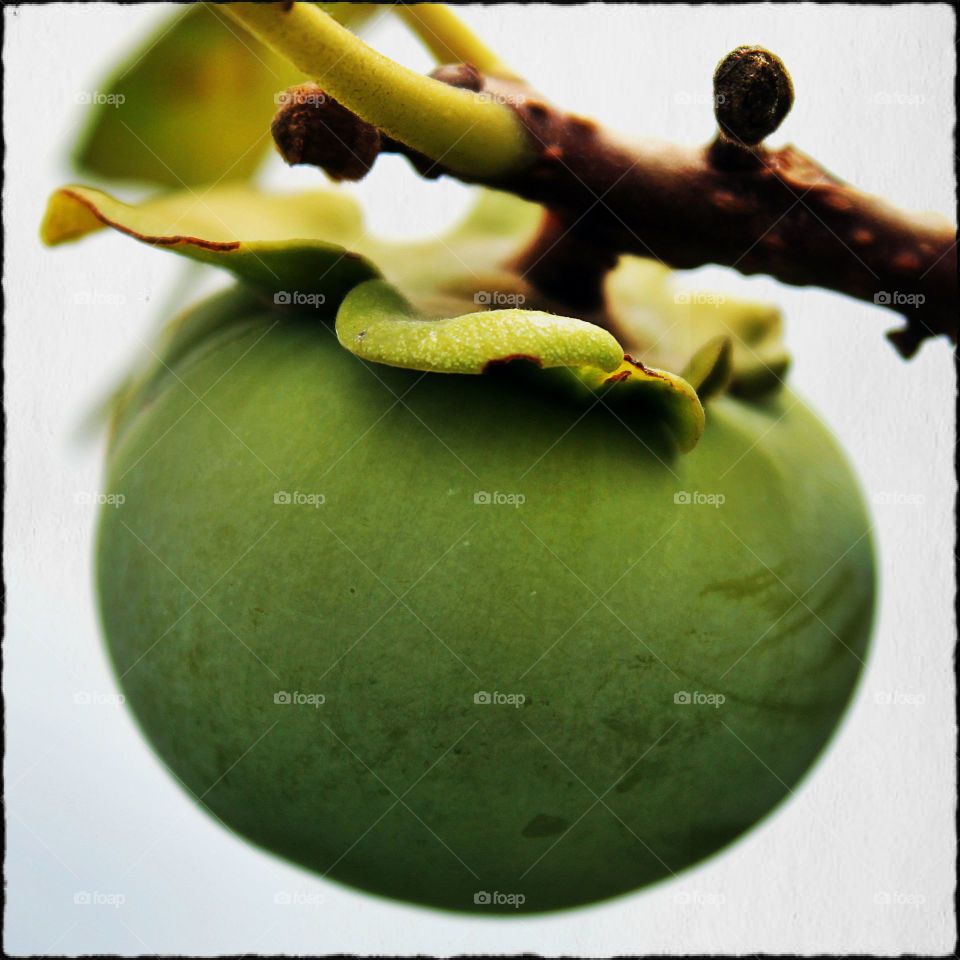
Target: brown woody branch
(732,202)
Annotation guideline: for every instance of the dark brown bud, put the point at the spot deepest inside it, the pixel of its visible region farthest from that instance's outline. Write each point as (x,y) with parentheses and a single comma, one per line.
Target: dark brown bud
(312,128)
(752,94)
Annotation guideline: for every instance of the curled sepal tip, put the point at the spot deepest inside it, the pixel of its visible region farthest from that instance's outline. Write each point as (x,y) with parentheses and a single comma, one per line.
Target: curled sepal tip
(635,388)
(710,369)
(377,323)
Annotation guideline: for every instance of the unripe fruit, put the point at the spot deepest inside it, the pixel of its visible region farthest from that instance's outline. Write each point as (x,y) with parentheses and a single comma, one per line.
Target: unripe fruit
(665,643)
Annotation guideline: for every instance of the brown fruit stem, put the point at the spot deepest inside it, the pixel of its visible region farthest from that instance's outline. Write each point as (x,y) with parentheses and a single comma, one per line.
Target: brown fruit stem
(733,203)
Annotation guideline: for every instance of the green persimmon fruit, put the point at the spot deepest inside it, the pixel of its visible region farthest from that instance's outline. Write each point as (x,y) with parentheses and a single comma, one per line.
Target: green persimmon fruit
(467,641)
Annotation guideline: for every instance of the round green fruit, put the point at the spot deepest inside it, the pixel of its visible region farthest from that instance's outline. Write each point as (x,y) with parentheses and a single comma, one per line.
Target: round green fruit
(460,640)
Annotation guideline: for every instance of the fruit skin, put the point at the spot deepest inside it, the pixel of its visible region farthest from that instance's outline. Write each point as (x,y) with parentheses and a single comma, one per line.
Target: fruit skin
(400,598)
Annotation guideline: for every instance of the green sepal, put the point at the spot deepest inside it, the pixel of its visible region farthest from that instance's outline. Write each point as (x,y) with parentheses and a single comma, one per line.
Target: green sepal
(377,323)
(270,241)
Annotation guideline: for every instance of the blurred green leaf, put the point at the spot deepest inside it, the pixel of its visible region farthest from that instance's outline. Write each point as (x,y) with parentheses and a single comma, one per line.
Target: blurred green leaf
(192,106)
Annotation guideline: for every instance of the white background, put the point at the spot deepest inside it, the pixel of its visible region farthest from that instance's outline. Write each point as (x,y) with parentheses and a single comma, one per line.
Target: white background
(860,860)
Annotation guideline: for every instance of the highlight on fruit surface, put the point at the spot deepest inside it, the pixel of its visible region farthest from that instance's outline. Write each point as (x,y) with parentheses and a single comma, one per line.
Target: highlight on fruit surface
(497,572)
